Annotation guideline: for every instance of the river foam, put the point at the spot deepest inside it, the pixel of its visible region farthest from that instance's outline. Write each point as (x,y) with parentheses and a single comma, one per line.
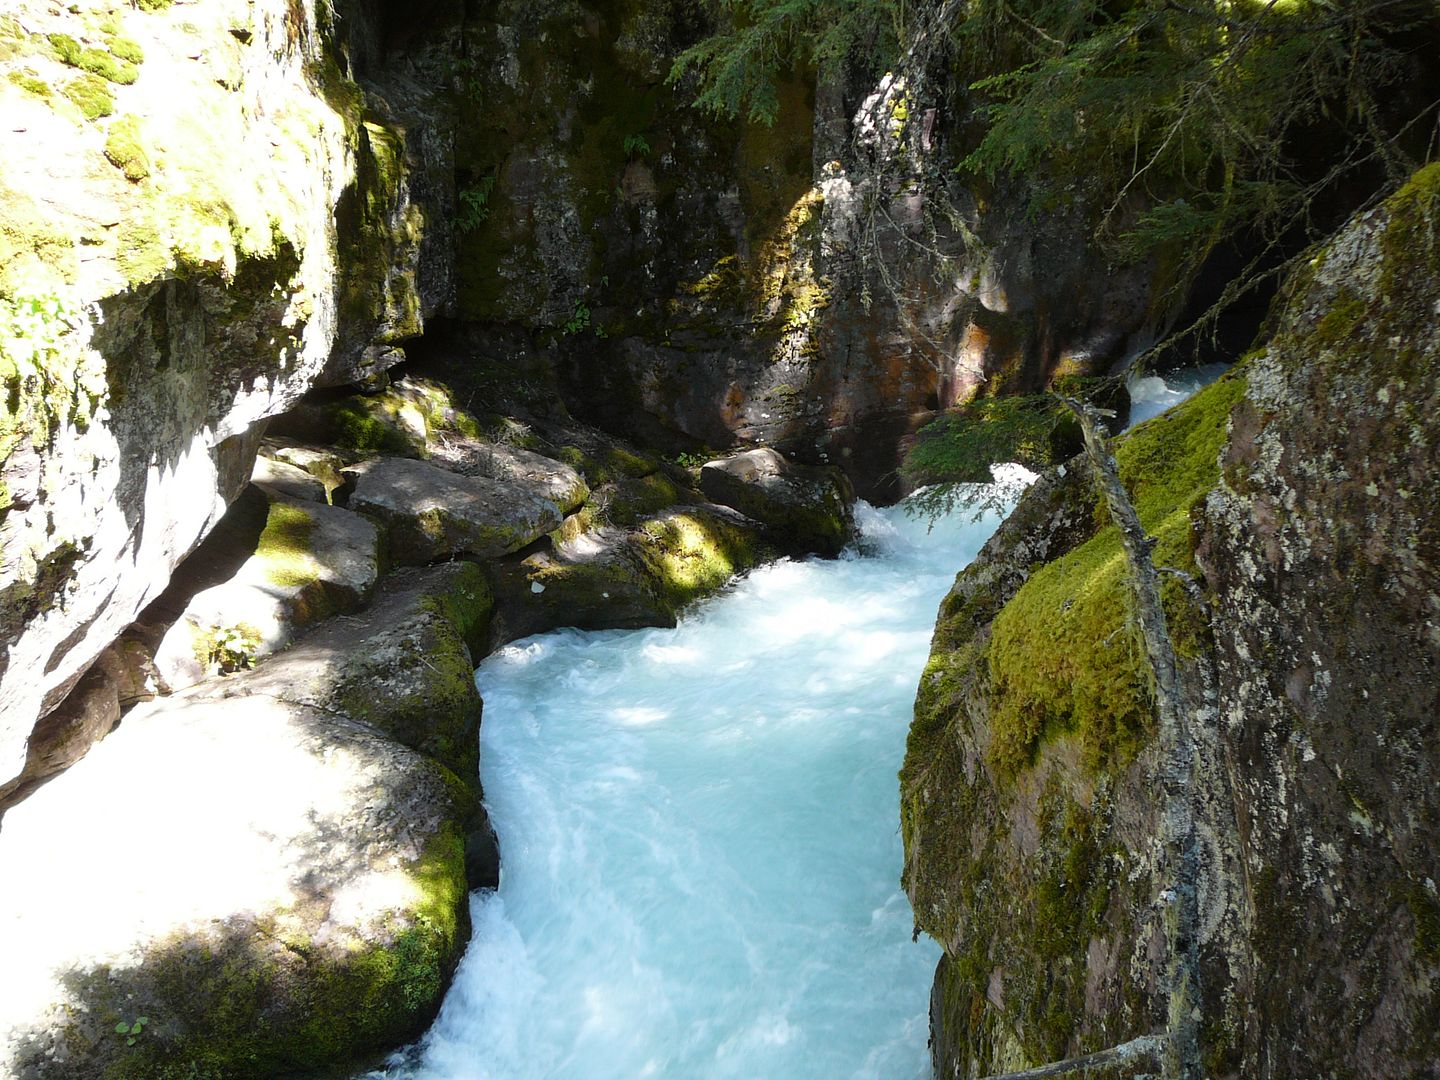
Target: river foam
(698,825)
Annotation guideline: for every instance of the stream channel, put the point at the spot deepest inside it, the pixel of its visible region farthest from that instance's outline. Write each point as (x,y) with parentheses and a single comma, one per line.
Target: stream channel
(699,831)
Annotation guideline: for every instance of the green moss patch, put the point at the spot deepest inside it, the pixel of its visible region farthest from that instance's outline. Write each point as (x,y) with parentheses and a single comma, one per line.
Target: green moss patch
(124,149)
(695,553)
(30,83)
(96,61)
(91,96)
(285,546)
(1065,656)
(122,48)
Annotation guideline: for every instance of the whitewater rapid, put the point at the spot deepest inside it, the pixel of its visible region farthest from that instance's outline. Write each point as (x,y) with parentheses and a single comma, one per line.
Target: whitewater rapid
(699,834)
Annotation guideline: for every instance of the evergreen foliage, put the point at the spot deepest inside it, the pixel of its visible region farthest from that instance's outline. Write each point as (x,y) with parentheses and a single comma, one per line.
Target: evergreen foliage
(759,42)
(1181,121)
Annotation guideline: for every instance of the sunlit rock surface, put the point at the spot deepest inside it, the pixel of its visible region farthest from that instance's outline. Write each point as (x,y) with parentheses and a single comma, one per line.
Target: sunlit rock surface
(273,887)
(177,274)
(310,561)
(433,514)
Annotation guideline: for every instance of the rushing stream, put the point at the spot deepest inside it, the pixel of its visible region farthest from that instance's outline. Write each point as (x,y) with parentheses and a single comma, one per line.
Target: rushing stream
(698,826)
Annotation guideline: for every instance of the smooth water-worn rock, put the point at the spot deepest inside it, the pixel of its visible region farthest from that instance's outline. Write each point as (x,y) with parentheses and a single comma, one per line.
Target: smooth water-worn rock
(804,508)
(177,275)
(434,514)
(618,577)
(66,734)
(282,479)
(403,665)
(1290,492)
(309,561)
(283,893)
(553,479)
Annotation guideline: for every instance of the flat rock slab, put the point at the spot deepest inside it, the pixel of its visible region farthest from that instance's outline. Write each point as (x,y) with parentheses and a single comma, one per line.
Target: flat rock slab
(805,508)
(237,871)
(405,664)
(553,479)
(287,481)
(311,561)
(435,514)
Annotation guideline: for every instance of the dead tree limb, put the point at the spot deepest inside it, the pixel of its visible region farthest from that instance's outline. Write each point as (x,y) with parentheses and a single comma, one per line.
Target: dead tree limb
(1180,1058)
(1149,1047)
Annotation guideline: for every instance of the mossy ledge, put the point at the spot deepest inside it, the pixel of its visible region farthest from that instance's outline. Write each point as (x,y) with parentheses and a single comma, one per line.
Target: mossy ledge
(1030,725)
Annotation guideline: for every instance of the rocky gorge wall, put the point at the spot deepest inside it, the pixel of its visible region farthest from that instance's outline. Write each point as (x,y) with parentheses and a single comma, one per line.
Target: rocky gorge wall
(172,277)
(1288,492)
(695,282)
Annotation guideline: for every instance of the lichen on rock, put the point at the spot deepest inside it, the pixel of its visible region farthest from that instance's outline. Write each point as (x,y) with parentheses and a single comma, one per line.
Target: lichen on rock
(1288,493)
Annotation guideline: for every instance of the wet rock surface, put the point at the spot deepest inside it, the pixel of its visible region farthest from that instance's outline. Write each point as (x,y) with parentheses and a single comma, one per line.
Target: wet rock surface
(805,508)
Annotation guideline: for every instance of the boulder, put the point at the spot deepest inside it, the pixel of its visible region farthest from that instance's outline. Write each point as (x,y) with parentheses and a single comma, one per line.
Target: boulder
(434,514)
(284,480)
(320,462)
(284,892)
(805,508)
(612,578)
(404,665)
(310,561)
(553,479)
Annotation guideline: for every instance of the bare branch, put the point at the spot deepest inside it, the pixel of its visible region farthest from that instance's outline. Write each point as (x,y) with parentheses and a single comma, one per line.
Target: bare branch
(1146,1046)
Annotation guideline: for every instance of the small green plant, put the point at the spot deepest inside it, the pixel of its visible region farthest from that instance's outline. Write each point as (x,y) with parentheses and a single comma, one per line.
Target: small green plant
(578,321)
(132,1031)
(474,205)
(229,648)
(687,460)
(636,147)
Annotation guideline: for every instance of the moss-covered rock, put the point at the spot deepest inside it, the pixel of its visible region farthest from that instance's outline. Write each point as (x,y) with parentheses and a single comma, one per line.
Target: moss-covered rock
(206,276)
(805,508)
(1288,493)
(309,561)
(301,928)
(606,576)
(405,664)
